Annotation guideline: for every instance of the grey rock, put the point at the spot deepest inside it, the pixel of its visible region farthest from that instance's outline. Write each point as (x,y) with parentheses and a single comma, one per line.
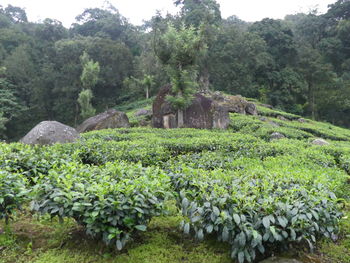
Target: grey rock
(218,96)
(280,260)
(251,109)
(203,113)
(207,110)
(50,132)
(234,104)
(263,119)
(282,118)
(301,120)
(277,136)
(320,142)
(143,112)
(110,119)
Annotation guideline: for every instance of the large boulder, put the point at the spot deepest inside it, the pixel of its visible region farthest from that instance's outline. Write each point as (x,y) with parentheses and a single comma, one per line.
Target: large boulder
(207,110)
(106,120)
(50,132)
(234,104)
(203,113)
(251,109)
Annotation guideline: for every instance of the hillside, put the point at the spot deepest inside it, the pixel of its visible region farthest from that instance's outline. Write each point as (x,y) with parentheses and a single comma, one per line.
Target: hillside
(181,195)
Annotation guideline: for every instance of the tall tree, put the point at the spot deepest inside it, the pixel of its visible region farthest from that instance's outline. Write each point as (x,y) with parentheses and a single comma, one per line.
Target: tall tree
(179,50)
(318,76)
(88,78)
(148,82)
(203,15)
(279,39)
(10,106)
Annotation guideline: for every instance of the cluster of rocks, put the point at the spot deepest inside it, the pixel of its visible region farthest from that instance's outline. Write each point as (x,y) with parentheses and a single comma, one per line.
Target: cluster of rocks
(51,132)
(207,110)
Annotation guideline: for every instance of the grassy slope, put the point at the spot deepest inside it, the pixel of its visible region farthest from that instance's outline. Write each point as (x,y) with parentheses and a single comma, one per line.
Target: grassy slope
(42,240)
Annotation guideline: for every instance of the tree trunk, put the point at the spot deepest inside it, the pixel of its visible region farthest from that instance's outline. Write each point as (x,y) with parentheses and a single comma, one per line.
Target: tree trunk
(204,80)
(313,105)
(147,93)
(180,118)
(311,100)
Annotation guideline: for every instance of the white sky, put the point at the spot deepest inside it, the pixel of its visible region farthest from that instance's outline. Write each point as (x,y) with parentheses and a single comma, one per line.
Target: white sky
(138,10)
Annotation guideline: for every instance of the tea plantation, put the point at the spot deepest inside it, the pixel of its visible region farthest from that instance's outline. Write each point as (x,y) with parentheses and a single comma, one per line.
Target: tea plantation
(182,195)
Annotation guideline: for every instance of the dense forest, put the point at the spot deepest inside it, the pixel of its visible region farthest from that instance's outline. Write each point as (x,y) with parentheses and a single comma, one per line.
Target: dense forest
(300,64)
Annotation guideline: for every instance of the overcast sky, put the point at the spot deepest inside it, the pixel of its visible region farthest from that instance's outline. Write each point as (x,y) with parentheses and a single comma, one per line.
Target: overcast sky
(138,10)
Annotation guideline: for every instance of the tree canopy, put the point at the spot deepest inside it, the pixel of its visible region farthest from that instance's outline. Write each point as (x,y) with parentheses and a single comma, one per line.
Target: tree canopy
(300,64)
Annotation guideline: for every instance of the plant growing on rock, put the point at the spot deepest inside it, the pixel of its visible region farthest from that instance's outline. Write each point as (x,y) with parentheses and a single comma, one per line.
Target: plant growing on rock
(179,50)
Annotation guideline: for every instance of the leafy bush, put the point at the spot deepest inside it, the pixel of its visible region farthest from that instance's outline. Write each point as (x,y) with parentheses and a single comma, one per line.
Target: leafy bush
(12,194)
(251,192)
(253,211)
(111,202)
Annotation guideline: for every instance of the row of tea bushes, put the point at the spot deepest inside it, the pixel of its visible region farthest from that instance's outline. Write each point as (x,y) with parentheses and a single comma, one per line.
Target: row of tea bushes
(238,187)
(253,211)
(291,127)
(13,193)
(111,201)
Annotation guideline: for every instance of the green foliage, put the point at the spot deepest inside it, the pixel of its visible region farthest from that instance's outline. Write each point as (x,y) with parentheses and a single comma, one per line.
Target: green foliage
(3,120)
(254,194)
(12,194)
(91,70)
(250,212)
(10,107)
(84,100)
(299,64)
(180,49)
(111,202)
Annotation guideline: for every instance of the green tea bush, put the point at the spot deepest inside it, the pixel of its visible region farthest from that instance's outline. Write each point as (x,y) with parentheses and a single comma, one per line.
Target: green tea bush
(254,211)
(254,193)
(33,161)
(275,113)
(13,193)
(111,201)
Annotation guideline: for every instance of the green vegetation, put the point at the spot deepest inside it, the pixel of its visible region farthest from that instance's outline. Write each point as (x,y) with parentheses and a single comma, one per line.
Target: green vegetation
(299,64)
(179,50)
(172,195)
(182,195)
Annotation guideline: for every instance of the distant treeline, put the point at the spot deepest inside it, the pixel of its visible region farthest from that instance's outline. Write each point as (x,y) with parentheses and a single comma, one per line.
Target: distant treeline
(300,64)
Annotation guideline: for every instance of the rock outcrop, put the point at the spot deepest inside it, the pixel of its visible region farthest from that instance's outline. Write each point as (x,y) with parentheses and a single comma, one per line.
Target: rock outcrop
(207,111)
(282,118)
(203,113)
(320,142)
(277,136)
(301,120)
(50,132)
(234,104)
(143,112)
(106,120)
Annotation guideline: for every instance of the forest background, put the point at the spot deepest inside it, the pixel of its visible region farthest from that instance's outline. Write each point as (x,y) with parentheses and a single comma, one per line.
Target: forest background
(300,64)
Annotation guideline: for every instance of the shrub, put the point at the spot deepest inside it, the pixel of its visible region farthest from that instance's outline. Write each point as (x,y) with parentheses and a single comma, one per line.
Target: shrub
(111,202)
(12,194)
(253,211)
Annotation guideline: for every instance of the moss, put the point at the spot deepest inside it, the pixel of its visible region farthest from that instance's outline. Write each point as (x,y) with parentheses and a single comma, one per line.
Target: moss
(48,241)
(339,251)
